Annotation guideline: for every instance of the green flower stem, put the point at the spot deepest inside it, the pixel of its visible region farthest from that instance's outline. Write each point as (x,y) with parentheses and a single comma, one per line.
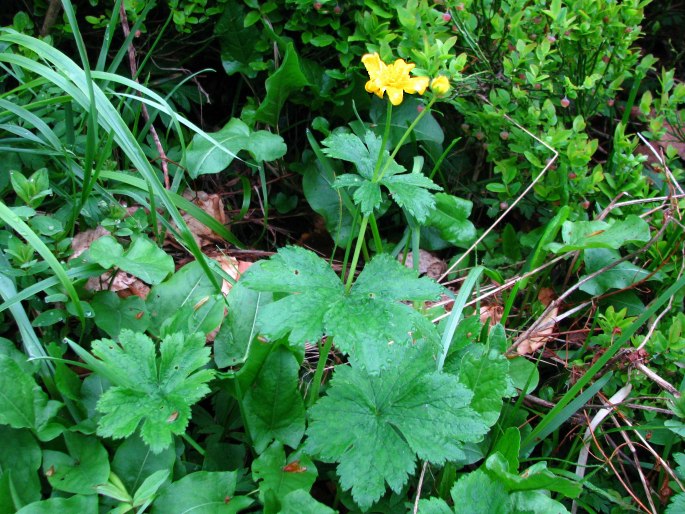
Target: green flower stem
(324,350)
(376,234)
(406,134)
(357,250)
(193,443)
(384,141)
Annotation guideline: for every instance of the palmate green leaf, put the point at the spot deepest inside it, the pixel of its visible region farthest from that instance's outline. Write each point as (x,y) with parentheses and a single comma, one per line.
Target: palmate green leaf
(434,506)
(409,190)
(156,391)
(370,323)
(377,426)
(677,504)
(486,373)
(349,147)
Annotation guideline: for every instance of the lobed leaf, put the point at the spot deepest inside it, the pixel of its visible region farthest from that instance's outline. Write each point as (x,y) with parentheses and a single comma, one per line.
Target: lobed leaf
(377,425)
(156,392)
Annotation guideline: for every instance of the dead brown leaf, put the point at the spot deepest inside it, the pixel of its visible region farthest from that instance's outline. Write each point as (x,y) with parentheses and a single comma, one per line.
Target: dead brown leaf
(82,241)
(543,333)
(429,264)
(546,295)
(491,313)
(212,205)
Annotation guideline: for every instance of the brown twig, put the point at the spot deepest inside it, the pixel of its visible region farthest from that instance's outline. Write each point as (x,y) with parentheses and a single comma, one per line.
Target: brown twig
(54,7)
(554,304)
(134,74)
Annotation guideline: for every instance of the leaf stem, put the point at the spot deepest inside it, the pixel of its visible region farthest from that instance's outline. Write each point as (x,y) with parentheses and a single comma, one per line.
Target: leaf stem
(193,443)
(324,350)
(378,243)
(404,137)
(355,256)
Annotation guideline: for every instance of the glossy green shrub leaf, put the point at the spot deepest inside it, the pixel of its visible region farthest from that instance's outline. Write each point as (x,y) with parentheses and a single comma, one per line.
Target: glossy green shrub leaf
(391,419)
(287,79)
(580,235)
(238,52)
(112,313)
(82,469)
(301,502)
(273,472)
(450,219)
(149,389)
(142,259)
(20,459)
(203,157)
(274,408)
(621,276)
(325,200)
(186,294)
(428,129)
(134,461)
(202,492)
(239,327)
(77,504)
(535,477)
(22,403)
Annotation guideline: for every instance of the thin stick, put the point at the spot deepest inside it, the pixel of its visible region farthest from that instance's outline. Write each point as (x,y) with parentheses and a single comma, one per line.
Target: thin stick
(134,74)
(636,460)
(419,486)
(515,202)
(659,158)
(554,304)
(663,384)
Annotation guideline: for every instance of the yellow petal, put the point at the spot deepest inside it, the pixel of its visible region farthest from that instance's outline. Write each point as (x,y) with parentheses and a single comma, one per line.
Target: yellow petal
(395,95)
(417,85)
(373,64)
(371,86)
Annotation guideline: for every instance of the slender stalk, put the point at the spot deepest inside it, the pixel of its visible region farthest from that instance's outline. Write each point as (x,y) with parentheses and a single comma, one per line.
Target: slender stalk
(404,137)
(193,443)
(378,243)
(324,350)
(357,250)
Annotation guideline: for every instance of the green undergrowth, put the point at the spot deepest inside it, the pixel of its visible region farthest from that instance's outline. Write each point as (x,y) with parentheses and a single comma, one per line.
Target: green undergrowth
(530,361)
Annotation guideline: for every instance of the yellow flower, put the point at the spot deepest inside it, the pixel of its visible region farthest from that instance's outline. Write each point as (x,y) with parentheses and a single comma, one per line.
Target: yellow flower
(440,85)
(393,79)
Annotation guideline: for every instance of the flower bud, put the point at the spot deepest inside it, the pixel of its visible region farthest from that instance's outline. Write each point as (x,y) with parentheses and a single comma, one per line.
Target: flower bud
(440,85)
